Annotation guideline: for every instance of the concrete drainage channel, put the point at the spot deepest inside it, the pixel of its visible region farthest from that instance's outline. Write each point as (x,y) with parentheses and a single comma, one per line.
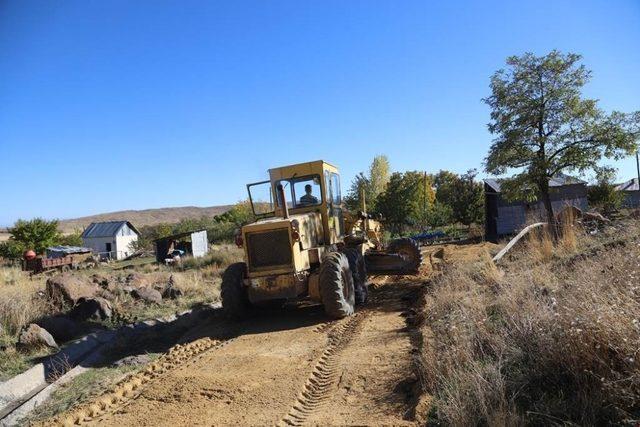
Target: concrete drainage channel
(23,393)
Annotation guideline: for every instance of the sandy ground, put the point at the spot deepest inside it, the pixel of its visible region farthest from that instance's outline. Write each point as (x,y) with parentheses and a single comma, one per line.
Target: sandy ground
(288,366)
(269,371)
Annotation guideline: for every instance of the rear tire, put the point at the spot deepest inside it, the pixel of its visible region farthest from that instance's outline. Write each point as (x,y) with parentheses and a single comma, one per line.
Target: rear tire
(409,250)
(359,273)
(235,302)
(336,286)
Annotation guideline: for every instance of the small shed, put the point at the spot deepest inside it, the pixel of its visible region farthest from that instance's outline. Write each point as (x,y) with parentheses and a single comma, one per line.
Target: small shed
(193,243)
(110,239)
(503,217)
(631,191)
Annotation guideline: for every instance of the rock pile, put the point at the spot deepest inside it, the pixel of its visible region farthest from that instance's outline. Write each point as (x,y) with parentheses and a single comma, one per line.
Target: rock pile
(90,298)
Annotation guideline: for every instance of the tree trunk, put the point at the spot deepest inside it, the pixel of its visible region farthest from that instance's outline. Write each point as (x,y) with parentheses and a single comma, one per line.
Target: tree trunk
(546,199)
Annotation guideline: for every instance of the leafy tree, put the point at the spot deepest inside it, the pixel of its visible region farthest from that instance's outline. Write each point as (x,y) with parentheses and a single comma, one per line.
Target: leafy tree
(444,182)
(222,232)
(73,239)
(439,215)
(409,201)
(36,234)
(142,243)
(544,126)
(379,173)
(462,194)
(399,202)
(149,233)
(604,193)
(240,214)
(353,199)
(422,199)
(162,230)
(467,199)
(11,249)
(373,183)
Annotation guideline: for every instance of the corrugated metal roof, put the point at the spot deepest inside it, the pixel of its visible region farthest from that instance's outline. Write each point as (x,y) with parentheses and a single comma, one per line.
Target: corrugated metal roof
(556,181)
(631,185)
(68,249)
(106,229)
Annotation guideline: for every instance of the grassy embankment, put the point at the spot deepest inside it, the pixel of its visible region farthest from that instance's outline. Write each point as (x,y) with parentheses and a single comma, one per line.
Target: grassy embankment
(552,336)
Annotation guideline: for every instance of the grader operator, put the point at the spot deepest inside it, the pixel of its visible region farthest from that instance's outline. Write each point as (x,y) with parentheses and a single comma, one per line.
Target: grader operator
(305,245)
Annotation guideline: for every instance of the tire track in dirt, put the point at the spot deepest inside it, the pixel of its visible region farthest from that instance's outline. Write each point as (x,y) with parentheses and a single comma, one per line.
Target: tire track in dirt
(374,378)
(325,373)
(131,387)
(252,381)
(288,367)
(324,327)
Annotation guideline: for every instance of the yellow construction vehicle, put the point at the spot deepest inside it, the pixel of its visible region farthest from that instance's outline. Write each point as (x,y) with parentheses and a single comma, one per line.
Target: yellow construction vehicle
(305,245)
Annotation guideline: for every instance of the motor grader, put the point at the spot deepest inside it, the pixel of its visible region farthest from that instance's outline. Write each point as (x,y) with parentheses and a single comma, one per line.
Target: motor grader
(305,245)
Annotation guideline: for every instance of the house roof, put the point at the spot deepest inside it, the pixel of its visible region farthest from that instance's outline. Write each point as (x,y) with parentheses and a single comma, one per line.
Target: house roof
(631,185)
(557,181)
(106,229)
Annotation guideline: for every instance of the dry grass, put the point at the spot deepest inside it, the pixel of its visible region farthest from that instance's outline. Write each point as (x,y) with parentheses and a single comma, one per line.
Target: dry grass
(19,306)
(543,343)
(20,302)
(218,258)
(540,244)
(199,280)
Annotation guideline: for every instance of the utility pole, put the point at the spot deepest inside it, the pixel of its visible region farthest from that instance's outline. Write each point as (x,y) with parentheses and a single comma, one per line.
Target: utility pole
(424,211)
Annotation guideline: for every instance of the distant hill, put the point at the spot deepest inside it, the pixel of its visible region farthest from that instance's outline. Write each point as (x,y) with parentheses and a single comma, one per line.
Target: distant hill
(144,217)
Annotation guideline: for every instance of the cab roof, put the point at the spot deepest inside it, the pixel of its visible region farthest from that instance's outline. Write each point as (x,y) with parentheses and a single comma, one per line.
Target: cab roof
(301,169)
(313,162)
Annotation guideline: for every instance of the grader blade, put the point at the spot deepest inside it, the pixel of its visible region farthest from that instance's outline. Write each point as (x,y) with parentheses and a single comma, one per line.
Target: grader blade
(382,263)
(402,257)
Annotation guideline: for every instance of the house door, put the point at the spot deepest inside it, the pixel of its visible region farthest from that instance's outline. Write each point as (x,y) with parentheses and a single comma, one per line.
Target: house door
(107,247)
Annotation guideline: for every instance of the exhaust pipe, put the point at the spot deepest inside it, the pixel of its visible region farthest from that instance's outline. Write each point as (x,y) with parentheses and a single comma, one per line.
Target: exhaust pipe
(283,200)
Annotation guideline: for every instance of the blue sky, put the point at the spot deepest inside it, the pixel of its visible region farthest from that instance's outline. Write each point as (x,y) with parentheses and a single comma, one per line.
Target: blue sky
(110,105)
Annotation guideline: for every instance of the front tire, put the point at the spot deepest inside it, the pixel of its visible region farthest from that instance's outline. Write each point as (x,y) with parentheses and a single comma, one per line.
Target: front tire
(235,302)
(336,286)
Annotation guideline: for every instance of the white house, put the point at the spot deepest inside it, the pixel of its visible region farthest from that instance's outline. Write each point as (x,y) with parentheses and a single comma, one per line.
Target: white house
(110,239)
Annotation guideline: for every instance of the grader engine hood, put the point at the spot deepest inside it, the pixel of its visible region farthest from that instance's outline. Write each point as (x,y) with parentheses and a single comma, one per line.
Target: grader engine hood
(279,245)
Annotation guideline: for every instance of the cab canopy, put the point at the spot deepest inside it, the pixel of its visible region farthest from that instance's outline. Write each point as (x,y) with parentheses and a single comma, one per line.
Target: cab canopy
(308,186)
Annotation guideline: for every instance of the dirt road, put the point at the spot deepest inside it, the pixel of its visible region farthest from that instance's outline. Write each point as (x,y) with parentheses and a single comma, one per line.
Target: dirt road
(287,367)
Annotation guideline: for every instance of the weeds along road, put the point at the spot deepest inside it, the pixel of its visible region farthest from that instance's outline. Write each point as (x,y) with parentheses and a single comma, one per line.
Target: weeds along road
(279,367)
